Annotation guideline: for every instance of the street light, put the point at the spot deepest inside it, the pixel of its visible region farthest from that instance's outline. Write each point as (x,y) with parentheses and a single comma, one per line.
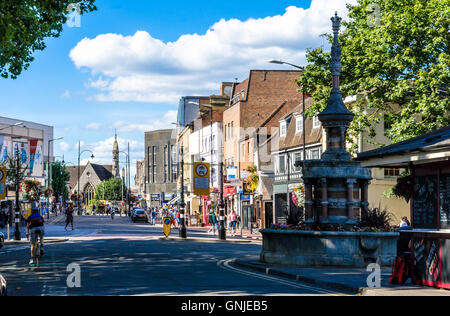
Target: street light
(49,171)
(302,68)
(16,124)
(128,178)
(79,158)
(182,231)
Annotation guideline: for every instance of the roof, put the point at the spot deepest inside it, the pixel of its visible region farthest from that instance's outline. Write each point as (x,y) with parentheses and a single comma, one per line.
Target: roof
(439,139)
(103,172)
(294,139)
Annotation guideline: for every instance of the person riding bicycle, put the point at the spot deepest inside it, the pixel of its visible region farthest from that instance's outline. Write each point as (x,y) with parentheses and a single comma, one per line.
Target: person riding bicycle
(35,229)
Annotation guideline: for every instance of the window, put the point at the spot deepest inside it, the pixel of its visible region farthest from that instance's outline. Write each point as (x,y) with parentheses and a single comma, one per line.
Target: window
(391,172)
(314,153)
(283,129)
(243,150)
(232,131)
(316,122)
(282,164)
(296,157)
(299,125)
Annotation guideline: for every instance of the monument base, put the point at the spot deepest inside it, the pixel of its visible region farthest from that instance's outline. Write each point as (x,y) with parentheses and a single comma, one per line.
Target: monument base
(334,249)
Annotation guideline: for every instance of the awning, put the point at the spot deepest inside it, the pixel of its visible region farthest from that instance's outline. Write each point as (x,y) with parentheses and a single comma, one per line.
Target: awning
(229,191)
(174,201)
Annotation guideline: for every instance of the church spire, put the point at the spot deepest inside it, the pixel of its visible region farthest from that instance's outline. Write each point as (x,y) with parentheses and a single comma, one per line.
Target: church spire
(115,152)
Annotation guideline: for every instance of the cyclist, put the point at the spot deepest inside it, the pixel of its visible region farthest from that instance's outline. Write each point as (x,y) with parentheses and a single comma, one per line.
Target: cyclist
(35,229)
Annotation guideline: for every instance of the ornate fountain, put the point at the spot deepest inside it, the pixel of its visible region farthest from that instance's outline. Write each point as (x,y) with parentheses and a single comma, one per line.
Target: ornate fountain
(336,189)
(336,186)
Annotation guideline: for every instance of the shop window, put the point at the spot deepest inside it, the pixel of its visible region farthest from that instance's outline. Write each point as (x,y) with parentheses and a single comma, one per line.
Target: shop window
(391,172)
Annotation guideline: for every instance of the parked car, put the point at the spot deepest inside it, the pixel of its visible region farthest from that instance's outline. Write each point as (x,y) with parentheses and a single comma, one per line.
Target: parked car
(3,288)
(139,215)
(2,240)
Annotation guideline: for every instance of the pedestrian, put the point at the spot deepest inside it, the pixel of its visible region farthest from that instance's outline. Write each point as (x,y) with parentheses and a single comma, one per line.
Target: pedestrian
(405,222)
(212,220)
(233,222)
(69,216)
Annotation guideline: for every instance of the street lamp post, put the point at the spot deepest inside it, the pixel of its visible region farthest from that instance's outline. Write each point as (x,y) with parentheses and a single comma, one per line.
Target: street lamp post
(127,177)
(222,230)
(17,235)
(49,172)
(182,230)
(302,68)
(79,158)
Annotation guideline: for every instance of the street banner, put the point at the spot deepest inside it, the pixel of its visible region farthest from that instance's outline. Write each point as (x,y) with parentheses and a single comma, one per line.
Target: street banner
(38,164)
(167,226)
(33,147)
(2,183)
(201,179)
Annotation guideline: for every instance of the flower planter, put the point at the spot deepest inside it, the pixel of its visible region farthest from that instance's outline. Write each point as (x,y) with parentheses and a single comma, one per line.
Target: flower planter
(337,249)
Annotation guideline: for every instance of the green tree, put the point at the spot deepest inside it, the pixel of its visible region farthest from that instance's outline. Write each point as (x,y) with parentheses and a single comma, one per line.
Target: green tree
(24,26)
(397,64)
(60,177)
(110,190)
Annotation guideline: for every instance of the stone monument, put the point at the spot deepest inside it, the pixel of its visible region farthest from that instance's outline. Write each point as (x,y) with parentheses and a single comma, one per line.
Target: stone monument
(336,186)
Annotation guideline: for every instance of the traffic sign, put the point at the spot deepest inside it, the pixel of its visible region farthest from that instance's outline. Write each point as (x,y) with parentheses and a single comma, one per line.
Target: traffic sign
(167,226)
(202,178)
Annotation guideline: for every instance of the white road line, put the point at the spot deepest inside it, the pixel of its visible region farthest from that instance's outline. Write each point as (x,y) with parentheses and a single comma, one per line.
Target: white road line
(225,264)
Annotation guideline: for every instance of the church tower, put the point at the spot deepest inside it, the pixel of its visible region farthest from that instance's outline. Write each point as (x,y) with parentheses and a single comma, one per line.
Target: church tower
(115,166)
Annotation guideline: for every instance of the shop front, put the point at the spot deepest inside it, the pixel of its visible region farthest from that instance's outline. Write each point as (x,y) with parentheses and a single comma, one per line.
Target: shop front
(427,186)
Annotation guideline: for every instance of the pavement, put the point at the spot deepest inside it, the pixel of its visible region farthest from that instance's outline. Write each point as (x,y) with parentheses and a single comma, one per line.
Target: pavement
(354,281)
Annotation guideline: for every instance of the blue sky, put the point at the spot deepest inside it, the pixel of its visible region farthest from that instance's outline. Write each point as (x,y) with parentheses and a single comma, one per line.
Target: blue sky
(118,78)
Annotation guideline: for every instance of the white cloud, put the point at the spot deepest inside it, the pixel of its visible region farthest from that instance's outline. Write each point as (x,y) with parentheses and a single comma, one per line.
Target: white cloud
(145,69)
(64,146)
(66,95)
(93,126)
(147,126)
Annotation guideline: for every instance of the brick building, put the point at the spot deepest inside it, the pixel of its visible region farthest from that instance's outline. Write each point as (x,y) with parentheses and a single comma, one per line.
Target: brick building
(253,114)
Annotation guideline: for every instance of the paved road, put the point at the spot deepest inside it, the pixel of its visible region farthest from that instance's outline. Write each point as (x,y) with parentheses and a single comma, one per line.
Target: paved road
(123,258)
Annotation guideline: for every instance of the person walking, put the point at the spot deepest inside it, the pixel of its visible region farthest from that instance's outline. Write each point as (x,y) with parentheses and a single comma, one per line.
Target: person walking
(212,219)
(69,216)
(233,223)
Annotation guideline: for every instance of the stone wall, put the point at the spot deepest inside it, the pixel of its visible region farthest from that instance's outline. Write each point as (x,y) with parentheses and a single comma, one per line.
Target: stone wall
(337,249)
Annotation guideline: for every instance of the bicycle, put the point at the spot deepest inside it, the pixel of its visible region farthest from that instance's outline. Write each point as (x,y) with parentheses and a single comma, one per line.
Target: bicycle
(38,251)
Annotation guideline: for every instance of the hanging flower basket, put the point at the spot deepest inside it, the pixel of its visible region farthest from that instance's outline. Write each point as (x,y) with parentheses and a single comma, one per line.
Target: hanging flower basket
(31,190)
(403,187)
(298,196)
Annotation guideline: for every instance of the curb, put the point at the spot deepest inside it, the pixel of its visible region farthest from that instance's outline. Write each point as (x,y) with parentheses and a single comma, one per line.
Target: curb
(46,242)
(271,271)
(204,240)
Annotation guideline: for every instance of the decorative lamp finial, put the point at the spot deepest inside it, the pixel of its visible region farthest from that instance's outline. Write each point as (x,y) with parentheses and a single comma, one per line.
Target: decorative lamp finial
(336,65)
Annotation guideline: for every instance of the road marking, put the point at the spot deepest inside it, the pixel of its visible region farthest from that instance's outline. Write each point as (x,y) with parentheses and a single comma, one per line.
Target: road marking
(225,264)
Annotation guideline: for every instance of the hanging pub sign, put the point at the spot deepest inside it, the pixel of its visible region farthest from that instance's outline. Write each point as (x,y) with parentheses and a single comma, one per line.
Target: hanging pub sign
(201,179)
